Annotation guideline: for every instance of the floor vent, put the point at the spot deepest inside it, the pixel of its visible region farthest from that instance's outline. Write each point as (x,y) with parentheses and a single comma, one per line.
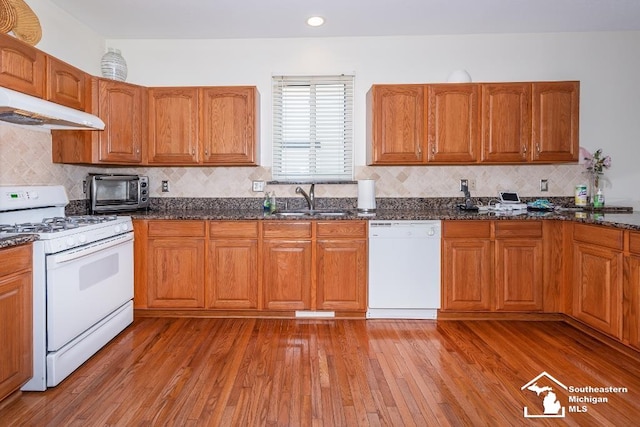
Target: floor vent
(315,314)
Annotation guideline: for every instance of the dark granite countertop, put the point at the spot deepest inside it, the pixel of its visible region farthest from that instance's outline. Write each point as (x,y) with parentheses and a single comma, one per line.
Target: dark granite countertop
(629,221)
(19,239)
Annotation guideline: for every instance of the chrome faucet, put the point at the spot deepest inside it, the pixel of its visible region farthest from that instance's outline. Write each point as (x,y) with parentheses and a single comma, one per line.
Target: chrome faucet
(310,198)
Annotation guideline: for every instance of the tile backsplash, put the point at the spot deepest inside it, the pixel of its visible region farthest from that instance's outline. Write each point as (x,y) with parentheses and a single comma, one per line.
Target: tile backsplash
(25,159)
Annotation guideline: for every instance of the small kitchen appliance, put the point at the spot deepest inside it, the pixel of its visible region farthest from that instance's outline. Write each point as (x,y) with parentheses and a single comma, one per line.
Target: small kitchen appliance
(366,195)
(109,193)
(82,278)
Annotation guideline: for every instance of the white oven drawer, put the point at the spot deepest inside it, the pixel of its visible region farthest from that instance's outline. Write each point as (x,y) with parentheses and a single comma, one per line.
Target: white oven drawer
(84,286)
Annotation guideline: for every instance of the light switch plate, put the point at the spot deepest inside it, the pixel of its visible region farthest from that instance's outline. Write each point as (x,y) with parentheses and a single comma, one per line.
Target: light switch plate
(258,186)
(544,185)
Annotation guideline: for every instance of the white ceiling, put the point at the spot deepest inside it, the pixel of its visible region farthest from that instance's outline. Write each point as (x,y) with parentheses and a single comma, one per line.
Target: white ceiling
(213,19)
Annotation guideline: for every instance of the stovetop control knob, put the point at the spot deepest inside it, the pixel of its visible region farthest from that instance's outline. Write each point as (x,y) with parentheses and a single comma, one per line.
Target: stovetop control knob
(117,229)
(70,241)
(125,227)
(82,238)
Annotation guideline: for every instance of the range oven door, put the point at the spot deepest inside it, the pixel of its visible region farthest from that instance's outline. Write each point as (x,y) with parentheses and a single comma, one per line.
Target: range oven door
(85,285)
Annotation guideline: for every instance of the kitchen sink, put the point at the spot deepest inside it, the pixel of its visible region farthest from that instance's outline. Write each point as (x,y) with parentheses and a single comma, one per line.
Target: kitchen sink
(312,212)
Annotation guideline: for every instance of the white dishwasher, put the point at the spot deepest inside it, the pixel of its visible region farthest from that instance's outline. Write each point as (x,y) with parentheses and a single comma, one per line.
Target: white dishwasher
(404,269)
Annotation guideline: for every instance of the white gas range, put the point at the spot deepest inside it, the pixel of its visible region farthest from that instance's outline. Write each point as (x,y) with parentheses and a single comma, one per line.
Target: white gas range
(82,278)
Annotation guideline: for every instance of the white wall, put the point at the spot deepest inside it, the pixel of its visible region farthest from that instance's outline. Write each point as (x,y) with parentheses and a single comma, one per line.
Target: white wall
(605,63)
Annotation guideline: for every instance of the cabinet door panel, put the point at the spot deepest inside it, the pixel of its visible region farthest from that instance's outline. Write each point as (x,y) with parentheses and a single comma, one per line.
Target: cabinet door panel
(467,267)
(506,122)
(232,274)
(66,85)
(177,273)
(597,293)
(452,123)
(287,275)
(229,125)
(121,108)
(396,128)
(342,274)
(16,353)
(173,125)
(632,300)
(555,121)
(21,66)
(519,274)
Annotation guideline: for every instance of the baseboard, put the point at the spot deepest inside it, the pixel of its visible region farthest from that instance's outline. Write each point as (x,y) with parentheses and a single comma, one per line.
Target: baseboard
(528,316)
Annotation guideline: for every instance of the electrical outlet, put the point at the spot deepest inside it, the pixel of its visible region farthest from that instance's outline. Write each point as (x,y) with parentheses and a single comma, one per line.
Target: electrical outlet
(472,184)
(544,185)
(258,186)
(464,183)
(165,186)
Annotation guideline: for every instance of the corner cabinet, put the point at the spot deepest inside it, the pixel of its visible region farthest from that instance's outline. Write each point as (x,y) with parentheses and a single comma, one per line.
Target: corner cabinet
(598,277)
(16,332)
(473,123)
(123,108)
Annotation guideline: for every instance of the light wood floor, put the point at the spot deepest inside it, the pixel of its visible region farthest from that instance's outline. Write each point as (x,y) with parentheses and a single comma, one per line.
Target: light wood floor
(242,372)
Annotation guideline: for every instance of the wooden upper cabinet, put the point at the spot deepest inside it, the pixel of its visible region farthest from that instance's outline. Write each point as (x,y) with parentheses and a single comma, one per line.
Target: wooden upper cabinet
(452,127)
(22,67)
(121,107)
(506,122)
(67,85)
(173,125)
(395,128)
(555,107)
(228,125)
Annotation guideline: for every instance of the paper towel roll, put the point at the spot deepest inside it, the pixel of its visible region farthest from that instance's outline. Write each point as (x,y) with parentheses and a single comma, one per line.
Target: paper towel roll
(366,195)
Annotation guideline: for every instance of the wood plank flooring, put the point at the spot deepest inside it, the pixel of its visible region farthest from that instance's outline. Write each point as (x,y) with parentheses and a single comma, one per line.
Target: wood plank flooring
(245,372)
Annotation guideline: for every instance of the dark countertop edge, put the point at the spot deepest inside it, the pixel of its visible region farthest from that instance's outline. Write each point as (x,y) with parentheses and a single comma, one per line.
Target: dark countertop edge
(627,221)
(19,239)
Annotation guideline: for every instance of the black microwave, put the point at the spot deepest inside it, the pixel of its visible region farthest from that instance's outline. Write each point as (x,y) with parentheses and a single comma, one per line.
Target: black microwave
(117,193)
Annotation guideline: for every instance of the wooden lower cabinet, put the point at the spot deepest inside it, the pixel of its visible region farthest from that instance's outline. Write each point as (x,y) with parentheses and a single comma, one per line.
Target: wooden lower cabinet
(287,274)
(176,256)
(287,265)
(16,302)
(341,262)
(232,265)
(467,266)
(518,265)
(492,266)
(631,325)
(598,277)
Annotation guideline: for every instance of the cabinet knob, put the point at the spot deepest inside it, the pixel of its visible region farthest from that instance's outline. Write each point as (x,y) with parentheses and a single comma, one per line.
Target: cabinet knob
(193,151)
(137,151)
(206,152)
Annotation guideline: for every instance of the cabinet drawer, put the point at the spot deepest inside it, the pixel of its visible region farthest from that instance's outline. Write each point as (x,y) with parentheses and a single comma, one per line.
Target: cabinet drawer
(466,229)
(233,229)
(178,228)
(510,228)
(15,259)
(286,229)
(634,242)
(597,235)
(339,229)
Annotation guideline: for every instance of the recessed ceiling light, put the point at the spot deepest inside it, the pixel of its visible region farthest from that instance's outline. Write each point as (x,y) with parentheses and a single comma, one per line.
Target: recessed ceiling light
(315,21)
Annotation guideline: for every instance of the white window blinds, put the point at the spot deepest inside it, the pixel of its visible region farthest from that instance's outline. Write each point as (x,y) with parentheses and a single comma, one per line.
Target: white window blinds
(313,128)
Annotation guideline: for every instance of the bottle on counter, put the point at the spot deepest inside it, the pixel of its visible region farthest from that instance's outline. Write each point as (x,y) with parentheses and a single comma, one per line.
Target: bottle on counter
(598,200)
(272,202)
(266,204)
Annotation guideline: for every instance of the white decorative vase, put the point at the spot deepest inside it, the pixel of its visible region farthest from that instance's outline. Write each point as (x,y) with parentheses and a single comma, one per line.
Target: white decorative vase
(113,65)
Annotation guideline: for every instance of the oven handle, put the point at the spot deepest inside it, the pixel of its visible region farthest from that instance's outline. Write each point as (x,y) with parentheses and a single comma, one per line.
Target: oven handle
(90,249)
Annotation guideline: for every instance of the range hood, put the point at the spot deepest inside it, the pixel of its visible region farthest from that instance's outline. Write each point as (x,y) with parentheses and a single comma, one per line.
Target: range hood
(22,109)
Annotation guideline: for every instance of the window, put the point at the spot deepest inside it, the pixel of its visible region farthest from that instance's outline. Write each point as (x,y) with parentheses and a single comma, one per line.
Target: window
(312,128)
